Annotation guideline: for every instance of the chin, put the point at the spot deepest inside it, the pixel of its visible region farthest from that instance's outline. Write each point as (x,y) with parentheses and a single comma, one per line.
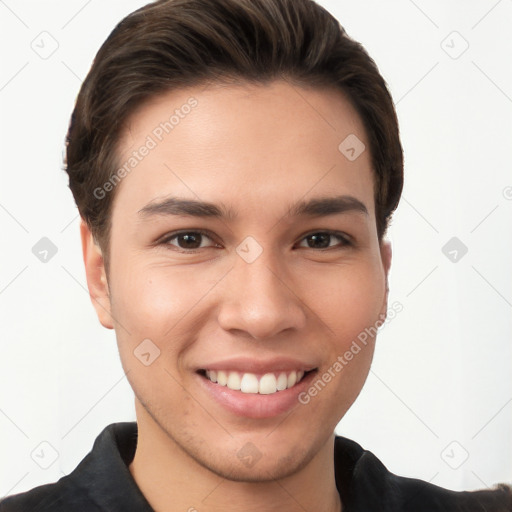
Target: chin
(263,470)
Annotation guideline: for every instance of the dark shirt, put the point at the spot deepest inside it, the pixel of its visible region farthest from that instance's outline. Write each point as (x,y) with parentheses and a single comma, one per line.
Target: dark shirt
(102,482)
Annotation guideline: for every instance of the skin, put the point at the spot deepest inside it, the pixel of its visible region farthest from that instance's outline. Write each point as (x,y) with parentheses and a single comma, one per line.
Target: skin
(257,149)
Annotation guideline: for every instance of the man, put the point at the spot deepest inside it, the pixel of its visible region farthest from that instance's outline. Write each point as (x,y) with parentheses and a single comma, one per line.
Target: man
(236,164)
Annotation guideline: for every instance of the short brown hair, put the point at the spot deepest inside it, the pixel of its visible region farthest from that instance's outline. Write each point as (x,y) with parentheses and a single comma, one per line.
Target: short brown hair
(171,44)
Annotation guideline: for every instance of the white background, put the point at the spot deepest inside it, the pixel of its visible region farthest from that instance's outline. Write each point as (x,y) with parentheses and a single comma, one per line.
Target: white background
(440,388)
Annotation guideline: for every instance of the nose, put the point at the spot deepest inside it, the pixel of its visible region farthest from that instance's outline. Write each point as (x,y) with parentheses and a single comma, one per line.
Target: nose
(259,299)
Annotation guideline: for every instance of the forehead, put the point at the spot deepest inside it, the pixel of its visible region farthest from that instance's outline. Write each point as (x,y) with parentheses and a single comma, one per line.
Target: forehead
(245,145)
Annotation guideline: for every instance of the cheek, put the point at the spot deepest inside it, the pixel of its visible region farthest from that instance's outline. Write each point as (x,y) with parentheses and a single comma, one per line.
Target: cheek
(347,300)
(154,301)
(158,304)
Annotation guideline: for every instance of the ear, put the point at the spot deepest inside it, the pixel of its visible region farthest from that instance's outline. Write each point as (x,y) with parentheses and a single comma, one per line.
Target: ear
(96,276)
(385,255)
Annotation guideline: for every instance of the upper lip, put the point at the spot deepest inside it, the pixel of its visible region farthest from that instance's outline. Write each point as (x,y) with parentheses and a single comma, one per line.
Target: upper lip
(252,365)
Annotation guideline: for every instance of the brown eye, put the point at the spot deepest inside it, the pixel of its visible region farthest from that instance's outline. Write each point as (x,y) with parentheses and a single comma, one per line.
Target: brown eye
(323,240)
(188,240)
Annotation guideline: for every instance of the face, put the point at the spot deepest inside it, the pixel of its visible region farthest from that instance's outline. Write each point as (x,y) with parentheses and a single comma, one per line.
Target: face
(243,250)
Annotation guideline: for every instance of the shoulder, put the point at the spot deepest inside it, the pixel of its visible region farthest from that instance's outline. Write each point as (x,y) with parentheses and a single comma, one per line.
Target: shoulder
(84,488)
(55,497)
(366,484)
(424,496)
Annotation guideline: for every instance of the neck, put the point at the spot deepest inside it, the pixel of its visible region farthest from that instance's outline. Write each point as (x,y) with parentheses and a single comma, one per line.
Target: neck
(172,481)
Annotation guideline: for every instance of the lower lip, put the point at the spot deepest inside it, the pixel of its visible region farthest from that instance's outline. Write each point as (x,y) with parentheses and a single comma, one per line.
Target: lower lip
(254,405)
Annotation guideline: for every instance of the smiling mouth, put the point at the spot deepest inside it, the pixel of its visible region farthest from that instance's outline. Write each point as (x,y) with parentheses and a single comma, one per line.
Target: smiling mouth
(251,383)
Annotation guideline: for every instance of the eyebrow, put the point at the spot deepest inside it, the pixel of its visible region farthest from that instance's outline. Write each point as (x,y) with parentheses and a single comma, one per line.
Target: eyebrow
(316,207)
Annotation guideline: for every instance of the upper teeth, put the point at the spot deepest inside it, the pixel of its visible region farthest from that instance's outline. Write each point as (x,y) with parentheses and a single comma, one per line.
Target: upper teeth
(249,383)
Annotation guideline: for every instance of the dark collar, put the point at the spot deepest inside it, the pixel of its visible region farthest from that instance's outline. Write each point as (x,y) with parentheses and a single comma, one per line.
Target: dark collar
(104,475)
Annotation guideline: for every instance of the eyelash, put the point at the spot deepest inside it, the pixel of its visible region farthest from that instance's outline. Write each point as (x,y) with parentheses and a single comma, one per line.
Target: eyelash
(345,240)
